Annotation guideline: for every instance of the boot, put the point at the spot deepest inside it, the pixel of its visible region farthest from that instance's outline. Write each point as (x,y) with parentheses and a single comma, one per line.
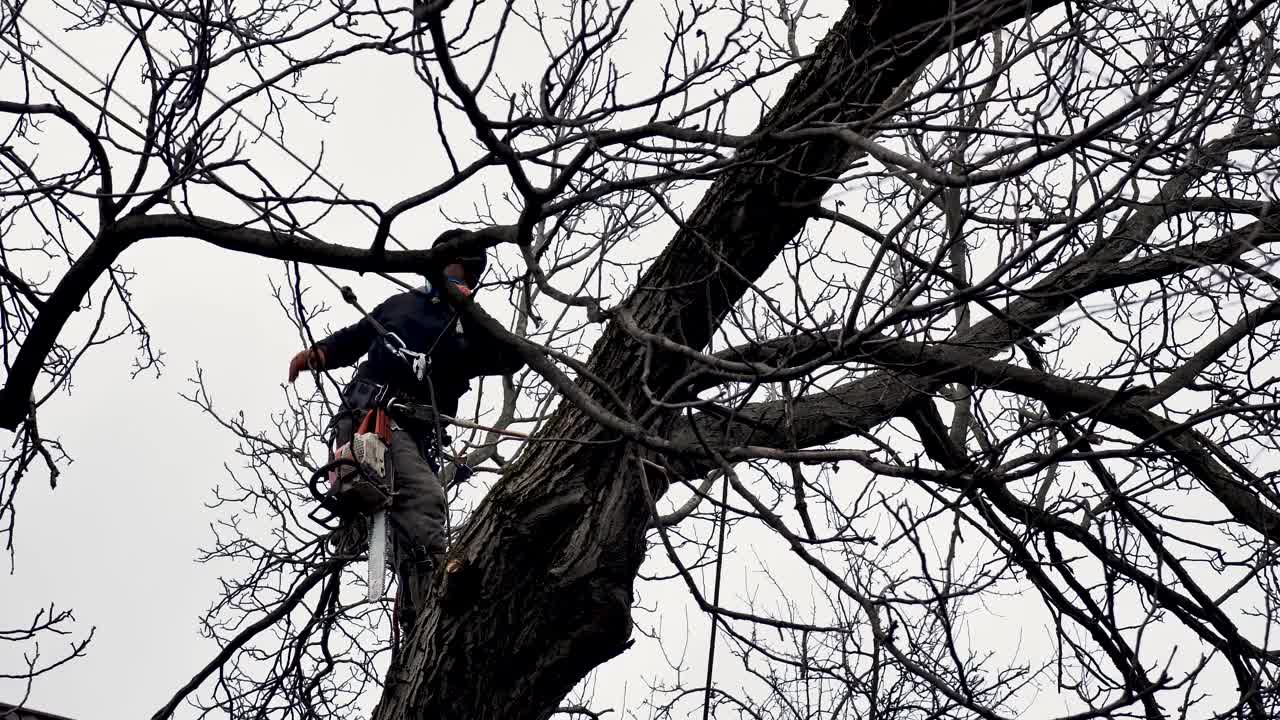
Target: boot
(415,576)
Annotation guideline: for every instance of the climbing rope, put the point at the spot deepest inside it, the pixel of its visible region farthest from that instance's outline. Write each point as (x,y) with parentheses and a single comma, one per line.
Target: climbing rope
(715,600)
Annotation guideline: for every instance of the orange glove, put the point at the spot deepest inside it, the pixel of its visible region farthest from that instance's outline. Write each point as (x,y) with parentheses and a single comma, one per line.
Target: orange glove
(312,359)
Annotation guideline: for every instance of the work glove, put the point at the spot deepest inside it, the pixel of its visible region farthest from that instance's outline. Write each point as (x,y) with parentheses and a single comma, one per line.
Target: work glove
(312,359)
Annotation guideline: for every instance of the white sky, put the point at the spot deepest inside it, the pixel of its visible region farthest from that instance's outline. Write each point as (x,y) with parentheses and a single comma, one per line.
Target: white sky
(116,540)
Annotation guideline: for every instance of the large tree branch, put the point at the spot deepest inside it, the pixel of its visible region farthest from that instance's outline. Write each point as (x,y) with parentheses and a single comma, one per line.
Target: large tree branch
(1120,409)
(751,212)
(913,370)
(794,356)
(861,405)
(281,245)
(1125,410)
(74,286)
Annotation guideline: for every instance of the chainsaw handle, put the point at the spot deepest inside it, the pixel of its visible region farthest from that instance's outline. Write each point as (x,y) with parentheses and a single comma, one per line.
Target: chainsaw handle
(376,421)
(366,420)
(318,485)
(329,522)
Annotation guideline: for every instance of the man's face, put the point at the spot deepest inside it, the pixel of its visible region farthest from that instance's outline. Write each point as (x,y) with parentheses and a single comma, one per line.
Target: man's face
(456,269)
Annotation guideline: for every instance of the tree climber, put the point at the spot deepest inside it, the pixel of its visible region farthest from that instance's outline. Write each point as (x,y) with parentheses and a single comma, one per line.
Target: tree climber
(421,359)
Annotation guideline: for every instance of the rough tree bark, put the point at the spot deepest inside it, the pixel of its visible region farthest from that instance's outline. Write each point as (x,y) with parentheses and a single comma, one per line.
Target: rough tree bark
(541,589)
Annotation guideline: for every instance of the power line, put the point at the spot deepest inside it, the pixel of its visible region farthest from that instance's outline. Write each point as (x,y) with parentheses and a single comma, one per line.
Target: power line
(101,107)
(78,64)
(204,87)
(74,90)
(715,601)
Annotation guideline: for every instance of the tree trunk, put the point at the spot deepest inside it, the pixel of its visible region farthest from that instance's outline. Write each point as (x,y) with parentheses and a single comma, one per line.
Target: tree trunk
(543,591)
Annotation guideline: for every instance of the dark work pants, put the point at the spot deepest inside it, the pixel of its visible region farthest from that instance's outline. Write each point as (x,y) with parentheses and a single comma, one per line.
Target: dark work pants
(417,518)
(419,512)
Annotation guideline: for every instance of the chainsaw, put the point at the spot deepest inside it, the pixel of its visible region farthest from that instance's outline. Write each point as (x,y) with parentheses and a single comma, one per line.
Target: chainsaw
(359,482)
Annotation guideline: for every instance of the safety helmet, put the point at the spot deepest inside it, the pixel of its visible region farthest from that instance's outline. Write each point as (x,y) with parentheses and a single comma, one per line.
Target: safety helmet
(474,263)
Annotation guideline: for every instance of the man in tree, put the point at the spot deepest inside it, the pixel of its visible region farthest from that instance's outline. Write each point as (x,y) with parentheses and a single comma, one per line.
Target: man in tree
(421,358)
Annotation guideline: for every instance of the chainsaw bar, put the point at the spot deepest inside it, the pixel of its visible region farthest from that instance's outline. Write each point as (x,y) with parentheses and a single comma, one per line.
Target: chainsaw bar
(377,554)
(378,521)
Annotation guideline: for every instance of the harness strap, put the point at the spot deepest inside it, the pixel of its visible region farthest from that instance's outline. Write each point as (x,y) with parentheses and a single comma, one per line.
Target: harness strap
(419,363)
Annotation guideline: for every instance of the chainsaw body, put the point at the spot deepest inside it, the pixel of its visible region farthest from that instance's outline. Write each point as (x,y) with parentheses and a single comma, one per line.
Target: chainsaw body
(359,486)
(356,481)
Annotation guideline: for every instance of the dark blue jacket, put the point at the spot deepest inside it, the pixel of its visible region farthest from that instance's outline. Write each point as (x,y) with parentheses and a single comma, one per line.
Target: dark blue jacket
(427,324)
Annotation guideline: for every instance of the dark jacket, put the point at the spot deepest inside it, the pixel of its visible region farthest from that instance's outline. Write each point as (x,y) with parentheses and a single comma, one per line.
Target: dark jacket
(428,325)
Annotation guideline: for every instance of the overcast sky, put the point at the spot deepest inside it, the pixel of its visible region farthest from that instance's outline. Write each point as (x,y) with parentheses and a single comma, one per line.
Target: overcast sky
(117,539)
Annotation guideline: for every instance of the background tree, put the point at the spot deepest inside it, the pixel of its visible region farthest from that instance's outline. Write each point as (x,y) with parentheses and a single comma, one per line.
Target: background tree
(941,319)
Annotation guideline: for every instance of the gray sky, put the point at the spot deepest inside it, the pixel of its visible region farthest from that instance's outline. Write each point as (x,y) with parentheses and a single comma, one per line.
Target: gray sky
(116,540)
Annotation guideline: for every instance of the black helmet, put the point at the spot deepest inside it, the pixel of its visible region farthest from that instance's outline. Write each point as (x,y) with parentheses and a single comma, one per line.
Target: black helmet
(474,264)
